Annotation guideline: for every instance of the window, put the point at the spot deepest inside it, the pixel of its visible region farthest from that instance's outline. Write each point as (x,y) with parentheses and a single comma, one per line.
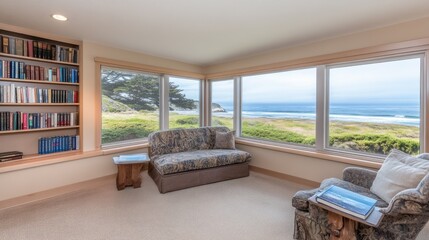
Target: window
(375,106)
(184,103)
(130,104)
(280,106)
(222,104)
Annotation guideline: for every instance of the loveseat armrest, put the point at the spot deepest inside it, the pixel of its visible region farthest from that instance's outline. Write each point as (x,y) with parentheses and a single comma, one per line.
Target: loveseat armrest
(300,199)
(359,176)
(409,201)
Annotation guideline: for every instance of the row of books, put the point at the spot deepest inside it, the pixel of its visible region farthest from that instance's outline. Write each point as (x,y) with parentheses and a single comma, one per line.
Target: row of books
(17,94)
(38,49)
(58,144)
(22,121)
(20,70)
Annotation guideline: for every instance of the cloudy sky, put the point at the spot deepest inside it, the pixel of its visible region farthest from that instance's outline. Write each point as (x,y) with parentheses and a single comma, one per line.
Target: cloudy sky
(393,81)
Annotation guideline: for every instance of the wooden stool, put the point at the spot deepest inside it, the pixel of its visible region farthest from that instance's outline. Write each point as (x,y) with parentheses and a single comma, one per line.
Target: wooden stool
(129,168)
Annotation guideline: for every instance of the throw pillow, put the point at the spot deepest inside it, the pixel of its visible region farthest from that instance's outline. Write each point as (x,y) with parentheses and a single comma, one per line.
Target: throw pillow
(399,171)
(224,140)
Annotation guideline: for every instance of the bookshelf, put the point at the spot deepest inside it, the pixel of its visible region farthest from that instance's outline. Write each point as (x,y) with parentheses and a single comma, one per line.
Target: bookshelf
(40,100)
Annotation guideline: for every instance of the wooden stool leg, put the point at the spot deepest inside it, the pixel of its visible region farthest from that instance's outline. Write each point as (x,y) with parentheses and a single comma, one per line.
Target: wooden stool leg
(341,227)
(135,175)
(121,177)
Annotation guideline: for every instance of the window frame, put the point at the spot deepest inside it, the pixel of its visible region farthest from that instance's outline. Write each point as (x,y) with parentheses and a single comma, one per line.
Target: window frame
(287,144)
(163,74)
(201,100)
(135,141)
(322,105)
(326,100)
(209,100)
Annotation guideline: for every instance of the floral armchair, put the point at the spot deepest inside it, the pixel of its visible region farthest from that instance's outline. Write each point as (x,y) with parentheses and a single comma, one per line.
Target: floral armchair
(404,216)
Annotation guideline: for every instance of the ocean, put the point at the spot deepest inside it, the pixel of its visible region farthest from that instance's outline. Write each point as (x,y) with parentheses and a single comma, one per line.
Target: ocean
(389,113)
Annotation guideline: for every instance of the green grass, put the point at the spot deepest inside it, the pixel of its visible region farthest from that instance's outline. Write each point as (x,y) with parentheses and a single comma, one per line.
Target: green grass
(367,137)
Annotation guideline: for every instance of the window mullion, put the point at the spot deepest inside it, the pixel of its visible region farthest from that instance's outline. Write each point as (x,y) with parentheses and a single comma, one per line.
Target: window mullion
(237,105)
(164,102)
(321,108)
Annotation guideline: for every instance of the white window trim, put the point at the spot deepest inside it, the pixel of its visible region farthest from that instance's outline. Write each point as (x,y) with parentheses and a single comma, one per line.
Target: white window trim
(422,57)
(322,108)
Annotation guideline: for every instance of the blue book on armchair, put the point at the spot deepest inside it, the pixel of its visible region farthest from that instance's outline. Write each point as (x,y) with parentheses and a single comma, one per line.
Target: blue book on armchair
(347,201)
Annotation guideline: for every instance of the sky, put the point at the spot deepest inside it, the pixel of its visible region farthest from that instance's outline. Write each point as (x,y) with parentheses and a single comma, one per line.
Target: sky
(393,81)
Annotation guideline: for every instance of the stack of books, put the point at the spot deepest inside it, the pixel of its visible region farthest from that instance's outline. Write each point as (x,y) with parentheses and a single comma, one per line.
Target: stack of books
(131,158)
(347,201)
(6,156)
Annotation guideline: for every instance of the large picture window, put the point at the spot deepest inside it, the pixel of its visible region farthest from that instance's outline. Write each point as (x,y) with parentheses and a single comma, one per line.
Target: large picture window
(222,105)
(130,105)
(375,106)
(280,106)
(184,103)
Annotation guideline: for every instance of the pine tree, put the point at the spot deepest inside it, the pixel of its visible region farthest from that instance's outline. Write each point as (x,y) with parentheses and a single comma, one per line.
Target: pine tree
(140,92)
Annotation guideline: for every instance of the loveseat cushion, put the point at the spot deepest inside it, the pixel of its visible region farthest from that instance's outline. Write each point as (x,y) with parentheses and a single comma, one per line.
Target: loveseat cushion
(181,140)
(200,159)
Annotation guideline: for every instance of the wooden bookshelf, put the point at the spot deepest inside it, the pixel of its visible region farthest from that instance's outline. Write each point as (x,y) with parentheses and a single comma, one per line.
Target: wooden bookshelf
(15,72)
(38,130)
(39,104)
(37,81)
(18,57)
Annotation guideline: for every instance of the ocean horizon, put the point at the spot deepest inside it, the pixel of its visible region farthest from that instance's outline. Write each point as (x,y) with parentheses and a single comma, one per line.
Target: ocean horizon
(388,113)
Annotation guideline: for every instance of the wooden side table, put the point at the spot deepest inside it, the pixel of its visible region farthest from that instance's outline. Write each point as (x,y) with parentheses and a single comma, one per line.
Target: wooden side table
(343,225)
(129,168)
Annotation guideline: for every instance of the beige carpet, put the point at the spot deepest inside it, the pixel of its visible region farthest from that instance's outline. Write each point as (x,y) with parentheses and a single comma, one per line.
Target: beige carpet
(257,207)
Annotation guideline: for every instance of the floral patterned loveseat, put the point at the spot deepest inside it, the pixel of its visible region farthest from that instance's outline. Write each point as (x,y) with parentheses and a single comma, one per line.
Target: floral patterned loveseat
(182,158)
(404,216)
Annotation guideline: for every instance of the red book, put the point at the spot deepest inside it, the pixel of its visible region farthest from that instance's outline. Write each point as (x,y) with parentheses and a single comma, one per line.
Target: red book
(32,77)
(75,96)
(30,48)
(42,73)
(24,121)
(37,72)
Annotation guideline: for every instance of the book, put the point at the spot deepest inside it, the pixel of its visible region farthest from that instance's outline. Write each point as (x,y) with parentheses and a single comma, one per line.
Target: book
(131,158)
(347,201)
(5,44)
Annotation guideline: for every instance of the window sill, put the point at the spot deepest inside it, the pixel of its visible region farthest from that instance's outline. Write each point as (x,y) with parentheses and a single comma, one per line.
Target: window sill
(364,162)
(37,161)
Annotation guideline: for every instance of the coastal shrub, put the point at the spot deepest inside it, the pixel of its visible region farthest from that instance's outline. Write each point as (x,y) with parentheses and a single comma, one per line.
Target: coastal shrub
(374,143)
(188,120)
(117,130)
(269,132)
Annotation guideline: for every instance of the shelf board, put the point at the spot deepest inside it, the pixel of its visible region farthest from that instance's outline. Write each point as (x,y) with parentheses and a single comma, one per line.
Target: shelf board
(39,104)
(35,158)
(38,130)
(38,59)
(37,81)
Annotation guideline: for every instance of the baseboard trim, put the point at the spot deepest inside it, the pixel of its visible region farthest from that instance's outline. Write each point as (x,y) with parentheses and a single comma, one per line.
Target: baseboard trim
(39,196)
(285,176)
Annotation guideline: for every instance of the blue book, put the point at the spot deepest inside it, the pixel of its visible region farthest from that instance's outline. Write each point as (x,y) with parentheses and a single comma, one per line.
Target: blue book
(347,201)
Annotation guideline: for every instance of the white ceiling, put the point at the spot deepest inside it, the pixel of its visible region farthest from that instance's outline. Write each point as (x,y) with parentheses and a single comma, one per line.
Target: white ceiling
(206,32)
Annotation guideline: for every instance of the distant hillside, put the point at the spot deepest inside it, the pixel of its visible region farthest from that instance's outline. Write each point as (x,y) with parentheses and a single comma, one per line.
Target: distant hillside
(110,105)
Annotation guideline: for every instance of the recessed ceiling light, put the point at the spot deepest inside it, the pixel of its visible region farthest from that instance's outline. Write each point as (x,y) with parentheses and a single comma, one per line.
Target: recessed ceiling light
(59,17)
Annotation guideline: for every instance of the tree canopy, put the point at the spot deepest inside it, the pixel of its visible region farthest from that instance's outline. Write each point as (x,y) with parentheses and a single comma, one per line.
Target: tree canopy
(139,91)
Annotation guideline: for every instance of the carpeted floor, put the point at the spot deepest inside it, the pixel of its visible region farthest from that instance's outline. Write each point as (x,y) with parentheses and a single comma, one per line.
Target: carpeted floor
(257,207)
